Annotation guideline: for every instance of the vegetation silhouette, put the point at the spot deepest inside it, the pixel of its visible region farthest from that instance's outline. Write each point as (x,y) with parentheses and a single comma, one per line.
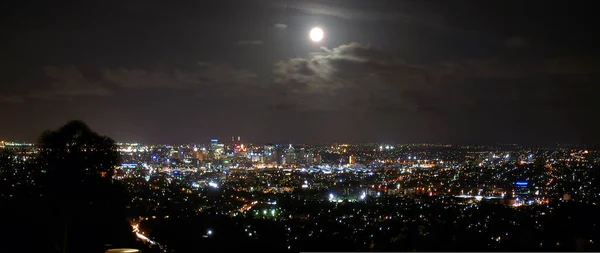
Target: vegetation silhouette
(71,203)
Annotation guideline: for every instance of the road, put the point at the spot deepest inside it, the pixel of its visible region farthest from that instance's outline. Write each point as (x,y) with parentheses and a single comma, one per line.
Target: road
(140,234)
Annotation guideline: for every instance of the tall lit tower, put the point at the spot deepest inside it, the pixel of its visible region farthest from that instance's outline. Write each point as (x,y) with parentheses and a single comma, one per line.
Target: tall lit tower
(351,160)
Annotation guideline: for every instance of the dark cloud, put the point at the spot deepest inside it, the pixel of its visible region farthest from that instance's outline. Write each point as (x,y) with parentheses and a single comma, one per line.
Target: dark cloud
(350,75)
(61,83)
(355,76)
(515,68)
(11,98)
(343,9)
(517,42)
(69,82)
(250,43)
(204,75)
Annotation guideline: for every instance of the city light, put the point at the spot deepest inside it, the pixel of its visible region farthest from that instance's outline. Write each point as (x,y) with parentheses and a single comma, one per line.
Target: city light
(318,125)
(401,183)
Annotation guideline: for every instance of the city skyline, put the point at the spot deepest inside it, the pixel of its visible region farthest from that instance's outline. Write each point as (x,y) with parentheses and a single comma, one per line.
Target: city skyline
(402,71)
(392,143)
(299,126)
(298,198)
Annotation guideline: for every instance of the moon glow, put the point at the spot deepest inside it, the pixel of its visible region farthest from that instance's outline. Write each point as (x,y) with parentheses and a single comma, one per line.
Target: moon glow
(316,34)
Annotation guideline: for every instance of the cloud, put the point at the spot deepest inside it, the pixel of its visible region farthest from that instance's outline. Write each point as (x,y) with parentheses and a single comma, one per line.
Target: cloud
(204,75)
(517,42)
(396,12)
(518,85)
(250,43)
(203,64)
(359,77)
(11,98)
(280,26)
(67,82)
(504,68)
(351,75)
(345,11)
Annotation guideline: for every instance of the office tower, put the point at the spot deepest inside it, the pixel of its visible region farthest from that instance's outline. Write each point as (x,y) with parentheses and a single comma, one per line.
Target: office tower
(351,160)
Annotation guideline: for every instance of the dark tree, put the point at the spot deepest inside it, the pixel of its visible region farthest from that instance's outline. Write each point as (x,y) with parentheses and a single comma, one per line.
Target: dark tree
(88,209)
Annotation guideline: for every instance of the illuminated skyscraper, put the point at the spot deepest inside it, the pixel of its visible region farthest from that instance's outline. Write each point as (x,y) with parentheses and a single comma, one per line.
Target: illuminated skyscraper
(290,155)
(522,188)
(213,144)
(318,159)
(216,148)
(351,159)
(270,153)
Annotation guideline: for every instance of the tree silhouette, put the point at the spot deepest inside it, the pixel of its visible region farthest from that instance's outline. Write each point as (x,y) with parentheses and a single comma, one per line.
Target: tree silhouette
(76,166)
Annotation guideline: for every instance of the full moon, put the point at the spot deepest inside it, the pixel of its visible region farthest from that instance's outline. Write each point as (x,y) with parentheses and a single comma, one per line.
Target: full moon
(316,34)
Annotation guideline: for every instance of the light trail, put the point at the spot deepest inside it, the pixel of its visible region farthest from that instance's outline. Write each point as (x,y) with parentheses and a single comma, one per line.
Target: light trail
(136,229)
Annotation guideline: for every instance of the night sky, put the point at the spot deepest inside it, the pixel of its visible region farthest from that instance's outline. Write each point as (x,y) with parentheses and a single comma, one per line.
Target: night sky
(403,71)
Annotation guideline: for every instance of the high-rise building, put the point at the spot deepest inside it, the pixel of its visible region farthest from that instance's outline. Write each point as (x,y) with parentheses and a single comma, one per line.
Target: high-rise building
(174,153)
(216,148)
(199,154)
(278,156)
(301,156)
(213,144)
(522,188)
(318,159)
(270,153)
(290,155)
(310,157)
(351,160)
